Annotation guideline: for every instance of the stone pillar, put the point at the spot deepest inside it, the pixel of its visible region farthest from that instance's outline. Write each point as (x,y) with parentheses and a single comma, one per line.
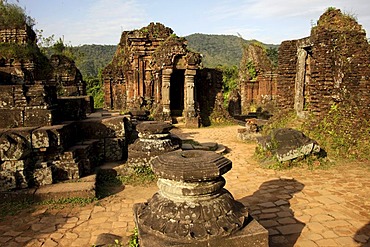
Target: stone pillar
(300,81)
(191,119)
(189,94)
(166,80)
(192,208)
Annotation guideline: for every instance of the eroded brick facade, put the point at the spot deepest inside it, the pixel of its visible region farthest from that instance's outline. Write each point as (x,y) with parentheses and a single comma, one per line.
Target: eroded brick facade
(257,78)
(330,66)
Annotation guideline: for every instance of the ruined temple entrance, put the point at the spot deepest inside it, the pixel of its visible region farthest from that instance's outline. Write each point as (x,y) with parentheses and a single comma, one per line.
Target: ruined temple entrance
(177,92)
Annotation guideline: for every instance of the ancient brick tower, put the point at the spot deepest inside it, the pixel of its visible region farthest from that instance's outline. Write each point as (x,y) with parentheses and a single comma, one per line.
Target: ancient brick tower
(330,66)
(152,68)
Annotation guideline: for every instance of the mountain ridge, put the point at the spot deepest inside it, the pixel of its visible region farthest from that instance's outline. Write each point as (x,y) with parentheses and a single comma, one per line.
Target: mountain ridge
(217,50)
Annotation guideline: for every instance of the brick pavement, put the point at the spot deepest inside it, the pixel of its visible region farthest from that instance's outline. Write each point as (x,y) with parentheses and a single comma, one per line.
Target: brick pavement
(299,207)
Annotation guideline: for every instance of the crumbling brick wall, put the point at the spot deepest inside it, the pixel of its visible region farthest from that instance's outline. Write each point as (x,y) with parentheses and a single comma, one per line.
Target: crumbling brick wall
(257,78)
(335,67)
(286,74)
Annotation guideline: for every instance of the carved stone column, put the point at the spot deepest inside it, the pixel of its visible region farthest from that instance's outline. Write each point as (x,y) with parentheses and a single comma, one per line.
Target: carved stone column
(166,80)
(191,119)
(192,208)
(189,95)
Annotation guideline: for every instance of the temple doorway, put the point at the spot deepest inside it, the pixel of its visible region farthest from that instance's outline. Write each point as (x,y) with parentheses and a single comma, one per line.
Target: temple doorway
(177,92)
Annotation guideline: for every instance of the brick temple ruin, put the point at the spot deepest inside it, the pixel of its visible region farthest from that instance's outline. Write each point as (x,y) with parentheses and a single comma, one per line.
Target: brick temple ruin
(259,86)
(45,134)
(153,69)
(330,66)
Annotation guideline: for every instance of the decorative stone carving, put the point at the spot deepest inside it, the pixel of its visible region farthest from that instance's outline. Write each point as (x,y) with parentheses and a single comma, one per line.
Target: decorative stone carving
(192,208)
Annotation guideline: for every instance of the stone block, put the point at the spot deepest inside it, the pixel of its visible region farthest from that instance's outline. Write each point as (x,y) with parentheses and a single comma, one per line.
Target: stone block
(72,108)
(83,154)
(38,117)
(62,135)
(6,96)
(100,128)
(68,155)
(114,149)
(66,190)
(96,151)
(14,146)
(14,165)
(40,95)
(11,118)
(12,180)
(7,181)
(65,170)
(42,174)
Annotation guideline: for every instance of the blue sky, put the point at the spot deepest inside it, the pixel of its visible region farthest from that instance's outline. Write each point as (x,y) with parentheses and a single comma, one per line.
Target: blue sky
(102,21)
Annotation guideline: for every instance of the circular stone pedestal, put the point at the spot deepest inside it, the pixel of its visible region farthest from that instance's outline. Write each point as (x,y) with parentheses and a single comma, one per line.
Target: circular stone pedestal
(192,208)
(154,139)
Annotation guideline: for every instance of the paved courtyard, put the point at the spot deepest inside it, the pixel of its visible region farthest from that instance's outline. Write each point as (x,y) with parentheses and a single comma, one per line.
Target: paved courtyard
(299,207)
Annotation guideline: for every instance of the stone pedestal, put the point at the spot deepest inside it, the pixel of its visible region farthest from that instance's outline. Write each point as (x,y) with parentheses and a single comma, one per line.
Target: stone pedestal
(192,208)
(154,139)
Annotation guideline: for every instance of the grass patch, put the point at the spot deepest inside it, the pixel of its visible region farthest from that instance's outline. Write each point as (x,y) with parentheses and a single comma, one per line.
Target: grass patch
(344,133)
(134,239)
(287,119)
(108,182)
(15,206)
(138,175)
(72,201)
(10,208)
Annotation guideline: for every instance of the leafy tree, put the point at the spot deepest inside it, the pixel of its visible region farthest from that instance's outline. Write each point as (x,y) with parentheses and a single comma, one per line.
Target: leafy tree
(94,86)
(58,47)
(13,16)
(272,53)
(230,78)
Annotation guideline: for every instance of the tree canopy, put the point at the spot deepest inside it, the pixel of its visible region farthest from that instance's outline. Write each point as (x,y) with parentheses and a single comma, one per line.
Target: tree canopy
(13,16)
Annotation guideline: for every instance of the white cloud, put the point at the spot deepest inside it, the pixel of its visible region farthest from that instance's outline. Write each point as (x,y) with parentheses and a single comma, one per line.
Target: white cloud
(274,21)
(103,22)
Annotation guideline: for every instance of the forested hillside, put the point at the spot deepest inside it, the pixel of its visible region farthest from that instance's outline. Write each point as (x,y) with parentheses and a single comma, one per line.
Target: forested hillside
(217,50)
(90,59)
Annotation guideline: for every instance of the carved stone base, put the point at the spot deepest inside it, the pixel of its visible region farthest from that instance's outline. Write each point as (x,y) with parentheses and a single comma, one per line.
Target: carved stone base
(252,235)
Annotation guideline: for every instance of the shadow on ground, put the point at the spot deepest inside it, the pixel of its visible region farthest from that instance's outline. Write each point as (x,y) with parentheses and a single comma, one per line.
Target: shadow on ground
(362,235)
(270,206)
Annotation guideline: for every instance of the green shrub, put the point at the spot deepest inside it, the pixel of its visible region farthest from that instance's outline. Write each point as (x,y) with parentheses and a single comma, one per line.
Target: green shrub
(134,239)
(344,132)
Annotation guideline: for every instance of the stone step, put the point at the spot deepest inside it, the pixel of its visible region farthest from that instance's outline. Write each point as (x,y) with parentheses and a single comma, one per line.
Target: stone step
(83,188)
(66,190)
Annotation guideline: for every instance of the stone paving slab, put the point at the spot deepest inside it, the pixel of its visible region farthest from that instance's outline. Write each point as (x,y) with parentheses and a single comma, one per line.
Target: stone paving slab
(298,207)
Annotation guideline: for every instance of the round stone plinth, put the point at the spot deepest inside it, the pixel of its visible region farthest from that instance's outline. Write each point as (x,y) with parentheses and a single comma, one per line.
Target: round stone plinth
(153,127)
(191,165)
